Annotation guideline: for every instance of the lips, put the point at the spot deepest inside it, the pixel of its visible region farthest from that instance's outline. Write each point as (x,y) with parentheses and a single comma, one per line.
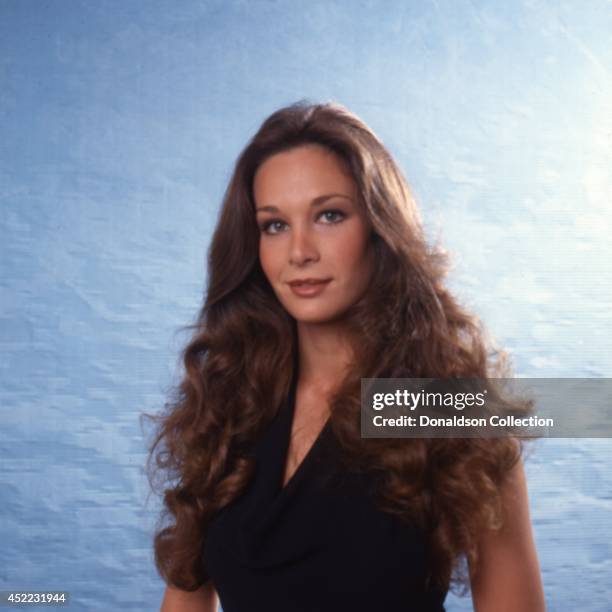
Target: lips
(308,281)
(308,287)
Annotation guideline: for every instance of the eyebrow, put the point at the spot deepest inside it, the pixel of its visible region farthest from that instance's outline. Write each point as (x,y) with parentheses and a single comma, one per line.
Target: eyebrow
(315,202)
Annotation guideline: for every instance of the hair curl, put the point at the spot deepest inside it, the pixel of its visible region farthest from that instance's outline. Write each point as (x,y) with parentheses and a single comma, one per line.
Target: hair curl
(240,358)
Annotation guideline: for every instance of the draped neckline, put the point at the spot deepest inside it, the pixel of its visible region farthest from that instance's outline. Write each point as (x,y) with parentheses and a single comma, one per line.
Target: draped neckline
(269,524)
(271,534)
(288,417)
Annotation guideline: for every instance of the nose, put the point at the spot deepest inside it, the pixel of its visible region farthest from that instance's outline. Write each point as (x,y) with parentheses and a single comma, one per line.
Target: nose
(302,248)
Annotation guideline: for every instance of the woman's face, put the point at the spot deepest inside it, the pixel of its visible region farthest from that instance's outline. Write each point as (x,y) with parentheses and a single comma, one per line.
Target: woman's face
(311,228)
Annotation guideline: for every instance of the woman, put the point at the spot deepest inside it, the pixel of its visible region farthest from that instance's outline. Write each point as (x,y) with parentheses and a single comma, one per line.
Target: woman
(319,275)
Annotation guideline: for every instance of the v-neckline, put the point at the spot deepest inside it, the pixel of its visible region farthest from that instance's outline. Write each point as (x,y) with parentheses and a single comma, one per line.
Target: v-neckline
(287,430)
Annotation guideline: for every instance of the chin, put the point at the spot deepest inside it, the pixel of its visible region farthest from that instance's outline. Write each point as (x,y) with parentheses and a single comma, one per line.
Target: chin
(313,320)
(314,315)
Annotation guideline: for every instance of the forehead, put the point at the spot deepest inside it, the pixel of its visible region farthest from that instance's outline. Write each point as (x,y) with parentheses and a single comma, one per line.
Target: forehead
(303,172)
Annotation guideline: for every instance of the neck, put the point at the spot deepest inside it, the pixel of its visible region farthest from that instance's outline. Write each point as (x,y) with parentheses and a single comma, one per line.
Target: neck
(325,354)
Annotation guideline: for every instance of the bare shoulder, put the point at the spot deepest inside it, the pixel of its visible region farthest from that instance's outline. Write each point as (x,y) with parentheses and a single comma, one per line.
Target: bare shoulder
(508,577)
(203,599)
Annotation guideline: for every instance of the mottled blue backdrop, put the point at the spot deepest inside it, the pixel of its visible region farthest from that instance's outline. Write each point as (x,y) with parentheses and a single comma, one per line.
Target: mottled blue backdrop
(119,124)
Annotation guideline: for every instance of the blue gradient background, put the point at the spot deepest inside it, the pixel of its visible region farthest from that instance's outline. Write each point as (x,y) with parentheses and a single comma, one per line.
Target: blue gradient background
(119,125)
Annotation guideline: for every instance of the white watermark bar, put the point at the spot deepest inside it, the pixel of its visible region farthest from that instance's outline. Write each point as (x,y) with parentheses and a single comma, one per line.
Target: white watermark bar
(486,408)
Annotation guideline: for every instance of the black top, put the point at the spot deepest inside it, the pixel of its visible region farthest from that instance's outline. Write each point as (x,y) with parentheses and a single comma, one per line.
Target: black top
(317,544)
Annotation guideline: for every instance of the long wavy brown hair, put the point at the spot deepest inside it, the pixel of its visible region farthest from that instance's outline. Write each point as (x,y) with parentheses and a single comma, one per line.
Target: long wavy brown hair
(240,357)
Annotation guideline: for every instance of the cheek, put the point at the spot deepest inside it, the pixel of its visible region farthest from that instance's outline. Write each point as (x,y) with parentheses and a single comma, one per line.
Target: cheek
(363,271)
(267,261)
(354,256)
(263,262)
